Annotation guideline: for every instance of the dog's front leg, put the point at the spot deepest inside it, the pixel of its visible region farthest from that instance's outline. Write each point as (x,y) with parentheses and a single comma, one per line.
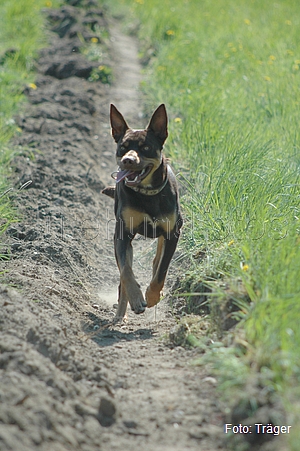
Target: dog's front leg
(129,289)
(165,250)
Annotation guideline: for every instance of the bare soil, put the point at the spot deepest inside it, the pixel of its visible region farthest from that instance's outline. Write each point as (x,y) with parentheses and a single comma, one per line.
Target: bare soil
(69,379)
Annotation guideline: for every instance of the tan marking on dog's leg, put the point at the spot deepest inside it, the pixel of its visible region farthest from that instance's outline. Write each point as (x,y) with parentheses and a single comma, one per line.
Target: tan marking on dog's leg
(153,293)
(161,261)
(158,255)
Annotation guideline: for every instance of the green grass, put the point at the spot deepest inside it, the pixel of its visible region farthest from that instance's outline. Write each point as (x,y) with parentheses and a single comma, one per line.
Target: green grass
(229,72)
(21,35)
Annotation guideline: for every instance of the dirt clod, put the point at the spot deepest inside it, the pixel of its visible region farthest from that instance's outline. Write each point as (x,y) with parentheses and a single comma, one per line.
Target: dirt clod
(107,412)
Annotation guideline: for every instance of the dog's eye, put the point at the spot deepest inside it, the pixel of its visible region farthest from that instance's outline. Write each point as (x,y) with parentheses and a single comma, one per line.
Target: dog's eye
(122,148)
(146,148)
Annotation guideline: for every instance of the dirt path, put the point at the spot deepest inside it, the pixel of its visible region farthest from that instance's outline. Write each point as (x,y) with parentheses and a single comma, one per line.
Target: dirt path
(69,380)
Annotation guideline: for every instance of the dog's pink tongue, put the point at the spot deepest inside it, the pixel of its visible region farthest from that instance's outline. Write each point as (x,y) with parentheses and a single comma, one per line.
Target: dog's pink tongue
(122,174)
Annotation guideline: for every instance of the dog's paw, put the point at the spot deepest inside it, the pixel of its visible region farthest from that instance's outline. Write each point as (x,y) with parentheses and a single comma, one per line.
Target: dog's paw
(138,305)
(136,300)
(121,313)
(152,297)
(138,309)
(120,319)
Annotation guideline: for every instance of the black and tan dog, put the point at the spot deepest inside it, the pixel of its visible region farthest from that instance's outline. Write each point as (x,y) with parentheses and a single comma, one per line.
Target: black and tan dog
(146,202)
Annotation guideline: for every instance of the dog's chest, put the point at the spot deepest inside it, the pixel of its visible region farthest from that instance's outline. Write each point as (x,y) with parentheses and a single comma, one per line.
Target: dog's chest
(141,222)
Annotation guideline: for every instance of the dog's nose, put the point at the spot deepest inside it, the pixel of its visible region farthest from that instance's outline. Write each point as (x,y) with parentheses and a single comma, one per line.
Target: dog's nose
(130,158)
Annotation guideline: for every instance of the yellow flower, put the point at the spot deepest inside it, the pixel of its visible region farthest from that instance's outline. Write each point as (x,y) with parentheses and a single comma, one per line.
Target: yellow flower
(244,266)
(141,2)
(247,21)
(288,22)
(32,86)
(178,120)
(231,243)
(94,40)
(267,78)
(48,3)
(170,32)
(290,52)
(271,59)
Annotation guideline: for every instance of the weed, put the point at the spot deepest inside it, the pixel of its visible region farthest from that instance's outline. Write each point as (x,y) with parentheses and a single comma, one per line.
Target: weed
(101,73)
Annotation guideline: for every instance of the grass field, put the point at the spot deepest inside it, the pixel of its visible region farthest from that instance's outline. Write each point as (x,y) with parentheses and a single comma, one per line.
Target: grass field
(21,35)
(229,72)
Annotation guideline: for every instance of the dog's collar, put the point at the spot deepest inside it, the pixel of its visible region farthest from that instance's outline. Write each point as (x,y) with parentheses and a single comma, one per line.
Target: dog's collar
(150,191)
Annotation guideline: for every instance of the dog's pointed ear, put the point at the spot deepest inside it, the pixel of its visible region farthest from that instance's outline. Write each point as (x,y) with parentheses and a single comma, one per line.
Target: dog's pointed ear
(159,123)
(118,123)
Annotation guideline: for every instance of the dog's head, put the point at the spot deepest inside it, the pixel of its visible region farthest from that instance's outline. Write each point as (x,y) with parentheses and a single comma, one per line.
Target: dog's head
(139,152)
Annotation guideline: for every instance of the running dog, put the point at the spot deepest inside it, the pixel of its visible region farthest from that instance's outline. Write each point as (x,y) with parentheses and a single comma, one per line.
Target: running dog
(146,203)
